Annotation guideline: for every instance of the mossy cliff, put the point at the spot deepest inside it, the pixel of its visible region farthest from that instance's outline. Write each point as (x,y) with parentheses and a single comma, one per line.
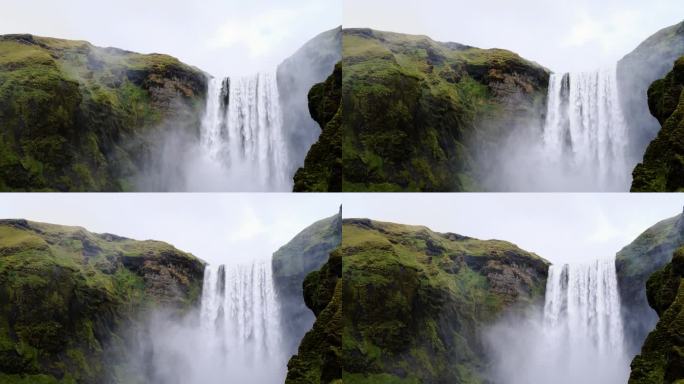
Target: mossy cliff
(75,117)
(416,110)
(649,252)
(305,253)
(662,169)
(648,62)
(319,358)
(68,295)
(415,301)
(662,357)
(322,171)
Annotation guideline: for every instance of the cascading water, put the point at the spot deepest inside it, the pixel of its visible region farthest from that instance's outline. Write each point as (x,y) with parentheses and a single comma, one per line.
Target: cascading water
(579,337)
(242,140)
(585,135)
(240,311)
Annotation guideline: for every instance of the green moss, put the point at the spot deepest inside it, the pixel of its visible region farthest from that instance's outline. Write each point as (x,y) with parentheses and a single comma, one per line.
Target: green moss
(66,293)
(662,168)
(80,118)
(322,171)
(414,108)
(662,359)
(437,291)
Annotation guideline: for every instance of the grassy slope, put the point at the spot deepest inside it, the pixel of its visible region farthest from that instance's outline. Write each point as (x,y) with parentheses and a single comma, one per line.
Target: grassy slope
(662,356)
(412,106)
(662,169)
(64,293)
(76,117)
(322,171)
(436,290)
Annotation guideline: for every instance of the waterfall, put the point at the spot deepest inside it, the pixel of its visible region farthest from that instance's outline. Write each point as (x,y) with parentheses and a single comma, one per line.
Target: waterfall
(577,338)
(240,311)
(242,140)
(585,134)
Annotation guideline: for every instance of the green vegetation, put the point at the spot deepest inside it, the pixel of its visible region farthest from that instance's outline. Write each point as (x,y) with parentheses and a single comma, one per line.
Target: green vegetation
(662,357)
(80,118)
(437,292)
(322,171)
(320,354)
(649,252)
(662,169)
(415,108)
(305,253)
(67,297)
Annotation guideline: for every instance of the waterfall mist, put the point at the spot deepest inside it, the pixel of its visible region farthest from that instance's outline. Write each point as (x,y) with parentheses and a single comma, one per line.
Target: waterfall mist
(582,144)
(241,146)
(234,336)
(577,337)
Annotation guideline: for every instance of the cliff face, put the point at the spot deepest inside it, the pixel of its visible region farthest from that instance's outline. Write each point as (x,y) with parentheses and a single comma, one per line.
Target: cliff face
(76,117)
(436,290)
(662,169)
(635,263)
(310,65)
(322,171)
(650,61)
(662,356)
(305,253)
(67,295)
(417,111)
(319,358)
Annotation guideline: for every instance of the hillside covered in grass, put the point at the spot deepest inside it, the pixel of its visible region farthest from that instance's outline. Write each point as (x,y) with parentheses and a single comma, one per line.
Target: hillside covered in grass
(419,113)
(415,301)
(71,300)
(75,117)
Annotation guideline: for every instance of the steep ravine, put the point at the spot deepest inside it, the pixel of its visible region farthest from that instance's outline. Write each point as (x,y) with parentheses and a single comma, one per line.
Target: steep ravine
(71,299)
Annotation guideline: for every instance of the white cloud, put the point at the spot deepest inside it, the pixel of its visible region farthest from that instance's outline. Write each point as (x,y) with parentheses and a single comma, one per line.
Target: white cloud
(258,34)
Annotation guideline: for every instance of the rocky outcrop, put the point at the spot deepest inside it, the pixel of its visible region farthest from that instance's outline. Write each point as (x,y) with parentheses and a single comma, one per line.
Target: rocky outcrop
(415,301)
(305,253)
(662,357)
(649,252)
(662,169)
(415,109)
(319,359)
(76,117)
(310,65)
(322,171)
(648,62)
(68,298)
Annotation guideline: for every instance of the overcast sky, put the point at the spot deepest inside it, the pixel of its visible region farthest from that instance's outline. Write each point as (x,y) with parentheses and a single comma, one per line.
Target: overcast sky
(559,227)
(563,35)
(223,37)
(219,228)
